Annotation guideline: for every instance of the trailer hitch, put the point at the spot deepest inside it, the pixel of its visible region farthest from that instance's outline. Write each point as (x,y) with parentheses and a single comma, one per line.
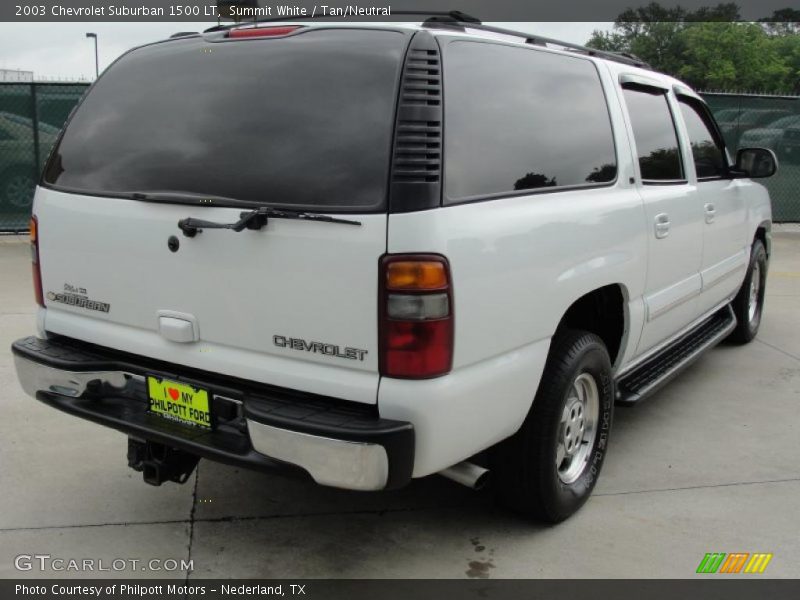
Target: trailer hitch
(159,463)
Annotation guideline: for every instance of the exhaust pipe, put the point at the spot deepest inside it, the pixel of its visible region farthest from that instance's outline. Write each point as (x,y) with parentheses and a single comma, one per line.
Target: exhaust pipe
(468,474)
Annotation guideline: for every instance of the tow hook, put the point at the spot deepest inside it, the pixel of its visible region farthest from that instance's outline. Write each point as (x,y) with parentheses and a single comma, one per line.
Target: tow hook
(159,463)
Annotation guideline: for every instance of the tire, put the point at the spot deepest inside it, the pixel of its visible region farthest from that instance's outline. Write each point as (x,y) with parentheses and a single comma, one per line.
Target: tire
(748,306)
(16,189)
(528,478)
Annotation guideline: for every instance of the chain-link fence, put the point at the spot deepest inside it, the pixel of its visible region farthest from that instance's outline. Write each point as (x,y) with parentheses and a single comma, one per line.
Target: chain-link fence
(31,115)
(749,120)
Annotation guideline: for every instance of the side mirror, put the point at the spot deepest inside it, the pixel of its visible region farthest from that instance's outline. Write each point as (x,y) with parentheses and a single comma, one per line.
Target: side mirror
(755,163)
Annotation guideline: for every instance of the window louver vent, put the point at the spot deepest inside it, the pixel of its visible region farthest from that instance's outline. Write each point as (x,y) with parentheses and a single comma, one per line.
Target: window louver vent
(418,151)
(417,156)
(422,80)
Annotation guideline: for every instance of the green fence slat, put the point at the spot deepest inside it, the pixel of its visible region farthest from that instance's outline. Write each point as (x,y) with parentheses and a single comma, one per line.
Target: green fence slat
(31,115)
(766,122)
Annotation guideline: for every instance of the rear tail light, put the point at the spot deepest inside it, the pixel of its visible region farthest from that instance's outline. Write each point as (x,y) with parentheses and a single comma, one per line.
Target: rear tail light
(37,269)
(416,328)
(251,32)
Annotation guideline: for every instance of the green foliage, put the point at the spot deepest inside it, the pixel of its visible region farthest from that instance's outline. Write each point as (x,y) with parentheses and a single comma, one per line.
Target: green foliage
(709,49)
(732,55)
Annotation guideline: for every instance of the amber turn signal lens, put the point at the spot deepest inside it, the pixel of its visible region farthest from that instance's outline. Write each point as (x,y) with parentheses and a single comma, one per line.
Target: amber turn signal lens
(416,275)
(37,268)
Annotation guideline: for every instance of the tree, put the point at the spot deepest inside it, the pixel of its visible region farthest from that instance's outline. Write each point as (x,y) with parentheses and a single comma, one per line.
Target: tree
(732,55)
(709,48)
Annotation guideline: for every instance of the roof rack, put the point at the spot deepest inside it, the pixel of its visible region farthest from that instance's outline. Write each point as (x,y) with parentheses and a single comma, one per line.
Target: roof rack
(452,16)
(455,18)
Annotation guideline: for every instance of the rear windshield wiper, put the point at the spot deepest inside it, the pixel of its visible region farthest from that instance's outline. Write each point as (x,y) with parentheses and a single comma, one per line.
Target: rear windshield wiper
(251,219)
(256,219)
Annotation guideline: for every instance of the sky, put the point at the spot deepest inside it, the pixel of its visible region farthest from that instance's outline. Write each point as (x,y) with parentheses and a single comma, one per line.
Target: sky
(61,51)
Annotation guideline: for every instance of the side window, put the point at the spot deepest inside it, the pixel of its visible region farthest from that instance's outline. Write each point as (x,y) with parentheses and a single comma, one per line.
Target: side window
(654,134)
(520,119)
(707,153)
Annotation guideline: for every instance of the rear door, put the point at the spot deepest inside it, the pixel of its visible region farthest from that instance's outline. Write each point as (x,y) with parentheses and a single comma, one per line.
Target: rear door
(673,219)
(209,128)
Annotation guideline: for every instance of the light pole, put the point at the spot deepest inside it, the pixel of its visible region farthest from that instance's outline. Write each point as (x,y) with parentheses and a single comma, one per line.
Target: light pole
(96,61)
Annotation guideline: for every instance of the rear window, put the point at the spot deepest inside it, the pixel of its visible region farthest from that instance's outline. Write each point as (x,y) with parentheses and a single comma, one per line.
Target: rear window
(303,121)
(519,119)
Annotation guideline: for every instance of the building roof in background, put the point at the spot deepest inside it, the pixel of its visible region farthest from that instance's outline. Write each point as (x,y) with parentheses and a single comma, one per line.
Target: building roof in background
(15,75)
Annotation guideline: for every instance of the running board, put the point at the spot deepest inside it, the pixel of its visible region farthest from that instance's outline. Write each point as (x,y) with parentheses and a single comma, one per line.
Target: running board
(662,367)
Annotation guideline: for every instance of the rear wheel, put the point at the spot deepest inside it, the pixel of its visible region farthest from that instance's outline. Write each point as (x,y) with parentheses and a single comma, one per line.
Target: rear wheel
(16,189)
(749,302)
(548,469)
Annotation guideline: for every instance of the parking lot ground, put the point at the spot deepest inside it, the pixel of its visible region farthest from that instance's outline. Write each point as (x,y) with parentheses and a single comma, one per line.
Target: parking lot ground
(708,465)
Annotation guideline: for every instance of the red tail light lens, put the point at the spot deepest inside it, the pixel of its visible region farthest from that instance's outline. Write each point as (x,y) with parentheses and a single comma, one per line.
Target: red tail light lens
(251,32)
(416,327)
(37,270)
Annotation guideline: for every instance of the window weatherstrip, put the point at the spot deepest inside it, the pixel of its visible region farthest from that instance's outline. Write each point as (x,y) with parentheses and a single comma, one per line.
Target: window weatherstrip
(631,79)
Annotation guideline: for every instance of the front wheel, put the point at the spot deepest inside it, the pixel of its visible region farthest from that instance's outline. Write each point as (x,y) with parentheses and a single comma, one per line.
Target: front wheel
(548,469)
(749,302)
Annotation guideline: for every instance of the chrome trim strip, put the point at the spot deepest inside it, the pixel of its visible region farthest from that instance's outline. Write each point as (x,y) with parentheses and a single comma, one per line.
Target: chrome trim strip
(337,463)
(658,348)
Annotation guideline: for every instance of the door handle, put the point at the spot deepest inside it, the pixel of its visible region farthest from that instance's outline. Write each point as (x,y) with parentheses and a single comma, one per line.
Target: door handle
(662,225)
(710,212)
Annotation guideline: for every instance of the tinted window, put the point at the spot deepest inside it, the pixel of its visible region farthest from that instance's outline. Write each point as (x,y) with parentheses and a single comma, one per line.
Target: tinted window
(708,156)
(521,119)
(654,133)
(304,120)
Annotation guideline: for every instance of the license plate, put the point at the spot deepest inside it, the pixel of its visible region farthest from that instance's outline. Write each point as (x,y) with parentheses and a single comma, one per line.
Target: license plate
(179,402)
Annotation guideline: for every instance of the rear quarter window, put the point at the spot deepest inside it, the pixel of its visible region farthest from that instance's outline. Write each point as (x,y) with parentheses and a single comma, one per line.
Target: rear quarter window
(304,121)
(520,120)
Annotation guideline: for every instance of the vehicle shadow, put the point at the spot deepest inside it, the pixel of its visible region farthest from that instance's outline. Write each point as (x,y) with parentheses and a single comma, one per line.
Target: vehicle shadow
(249,524)
(229,492)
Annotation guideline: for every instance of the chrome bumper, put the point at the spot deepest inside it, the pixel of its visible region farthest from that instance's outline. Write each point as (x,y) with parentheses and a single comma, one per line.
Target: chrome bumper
(35,377)
(336,463)
(341,463)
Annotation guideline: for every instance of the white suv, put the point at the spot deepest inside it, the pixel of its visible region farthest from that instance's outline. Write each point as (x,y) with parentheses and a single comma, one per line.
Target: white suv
(376,252)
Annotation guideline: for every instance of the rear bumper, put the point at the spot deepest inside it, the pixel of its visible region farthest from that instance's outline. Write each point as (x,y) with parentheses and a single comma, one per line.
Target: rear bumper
(337,443)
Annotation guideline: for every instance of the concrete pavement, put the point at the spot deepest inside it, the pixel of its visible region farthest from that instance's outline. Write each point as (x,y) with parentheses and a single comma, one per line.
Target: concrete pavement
(708,465)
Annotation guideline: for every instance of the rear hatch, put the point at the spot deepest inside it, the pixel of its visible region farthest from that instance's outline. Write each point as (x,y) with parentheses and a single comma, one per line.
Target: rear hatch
(211,128)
